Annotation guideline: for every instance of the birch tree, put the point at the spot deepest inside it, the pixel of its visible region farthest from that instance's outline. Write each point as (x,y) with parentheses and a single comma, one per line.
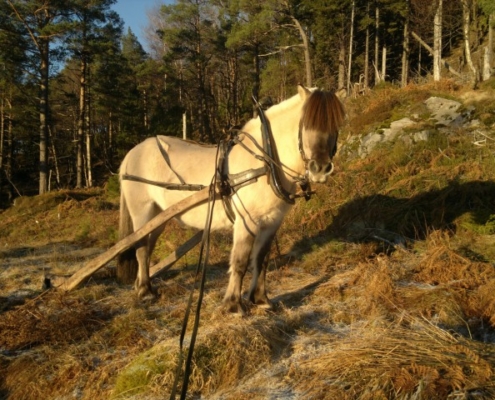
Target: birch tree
(488,7)
(351,39)
(378,77)
(437,40)
(405,46)
(466,7)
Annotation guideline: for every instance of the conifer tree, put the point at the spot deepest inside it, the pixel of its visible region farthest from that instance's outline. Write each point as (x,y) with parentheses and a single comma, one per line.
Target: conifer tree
(43,22)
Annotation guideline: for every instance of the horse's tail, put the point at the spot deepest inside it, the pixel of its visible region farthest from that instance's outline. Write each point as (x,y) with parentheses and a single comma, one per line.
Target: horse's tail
(127,265)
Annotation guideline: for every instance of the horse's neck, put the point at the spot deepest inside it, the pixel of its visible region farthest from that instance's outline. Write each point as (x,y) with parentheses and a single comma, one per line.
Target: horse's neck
(284,120)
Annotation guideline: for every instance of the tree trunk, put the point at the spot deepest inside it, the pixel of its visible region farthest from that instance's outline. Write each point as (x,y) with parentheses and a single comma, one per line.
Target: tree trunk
(487,63)
(2,141)
(341,78)
(377,45)
(307,55)
(145,110)
(419,61)
(437,41)
(8,149)
(467,45)
(43,108)
(235,119)
(351,39)
(405,48)
(256,78)
(55,157)
(81,120)
(384,63)
(367,51)
(87,124)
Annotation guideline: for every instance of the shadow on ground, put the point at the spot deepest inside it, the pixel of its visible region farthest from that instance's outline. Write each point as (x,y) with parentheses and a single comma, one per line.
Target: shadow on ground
(390,221)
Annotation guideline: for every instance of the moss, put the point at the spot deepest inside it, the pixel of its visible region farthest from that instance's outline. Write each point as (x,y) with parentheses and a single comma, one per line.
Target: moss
(471,222)
(138,375)
(112,188)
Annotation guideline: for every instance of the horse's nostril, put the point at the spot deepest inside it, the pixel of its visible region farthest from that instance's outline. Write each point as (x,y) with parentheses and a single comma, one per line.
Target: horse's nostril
(328,168)
(314,167)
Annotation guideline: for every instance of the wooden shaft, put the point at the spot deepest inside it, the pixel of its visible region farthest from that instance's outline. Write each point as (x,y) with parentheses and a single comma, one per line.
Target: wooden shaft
(96,263)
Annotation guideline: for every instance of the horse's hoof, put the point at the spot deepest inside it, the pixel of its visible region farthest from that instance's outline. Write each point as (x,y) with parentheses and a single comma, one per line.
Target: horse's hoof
(266,305)
(235,308)
(146,293)
(262,302)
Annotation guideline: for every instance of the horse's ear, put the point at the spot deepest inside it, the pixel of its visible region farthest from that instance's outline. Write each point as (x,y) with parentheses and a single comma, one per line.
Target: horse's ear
(303,91)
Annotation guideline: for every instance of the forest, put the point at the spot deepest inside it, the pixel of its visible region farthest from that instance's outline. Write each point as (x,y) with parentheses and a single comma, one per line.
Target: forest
(77,91)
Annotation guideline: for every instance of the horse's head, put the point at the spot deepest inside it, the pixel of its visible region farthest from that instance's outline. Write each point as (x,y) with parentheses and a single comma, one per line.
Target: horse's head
(322,116)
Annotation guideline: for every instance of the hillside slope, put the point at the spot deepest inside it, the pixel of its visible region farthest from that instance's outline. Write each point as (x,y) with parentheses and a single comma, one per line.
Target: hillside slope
(384,281)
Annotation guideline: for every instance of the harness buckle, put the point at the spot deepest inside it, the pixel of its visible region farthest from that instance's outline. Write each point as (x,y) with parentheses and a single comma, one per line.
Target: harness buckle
(306,190)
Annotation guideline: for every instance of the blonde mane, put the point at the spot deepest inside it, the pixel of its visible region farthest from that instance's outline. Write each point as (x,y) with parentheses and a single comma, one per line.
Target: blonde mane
(322,113)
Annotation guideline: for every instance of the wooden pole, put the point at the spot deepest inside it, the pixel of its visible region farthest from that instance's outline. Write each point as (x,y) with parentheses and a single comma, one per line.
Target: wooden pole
(96,263)
(170,260)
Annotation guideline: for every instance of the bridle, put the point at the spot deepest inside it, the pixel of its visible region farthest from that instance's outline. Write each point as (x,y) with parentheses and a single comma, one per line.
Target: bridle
(275,165)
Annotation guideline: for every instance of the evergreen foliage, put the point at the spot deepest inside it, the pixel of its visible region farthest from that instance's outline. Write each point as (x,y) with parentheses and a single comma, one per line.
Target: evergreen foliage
(76,92)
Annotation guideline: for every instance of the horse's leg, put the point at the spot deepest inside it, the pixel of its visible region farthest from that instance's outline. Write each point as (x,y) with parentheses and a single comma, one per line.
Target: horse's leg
(239,260)
(144,248)
(257,292)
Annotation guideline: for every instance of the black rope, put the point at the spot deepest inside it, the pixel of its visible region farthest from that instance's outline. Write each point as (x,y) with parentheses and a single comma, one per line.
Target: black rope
(200,270)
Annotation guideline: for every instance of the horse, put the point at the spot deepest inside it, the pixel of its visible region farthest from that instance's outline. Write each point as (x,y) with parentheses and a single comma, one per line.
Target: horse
(301,133)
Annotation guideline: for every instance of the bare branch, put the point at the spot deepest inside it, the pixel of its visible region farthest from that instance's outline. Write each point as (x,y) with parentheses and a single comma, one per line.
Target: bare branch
(280,50)
(33,37)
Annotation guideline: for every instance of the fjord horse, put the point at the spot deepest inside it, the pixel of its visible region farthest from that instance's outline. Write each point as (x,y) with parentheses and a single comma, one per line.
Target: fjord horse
(304,131)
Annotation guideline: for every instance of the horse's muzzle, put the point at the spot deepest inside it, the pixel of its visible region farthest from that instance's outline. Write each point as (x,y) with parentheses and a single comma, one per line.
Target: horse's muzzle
(319,172)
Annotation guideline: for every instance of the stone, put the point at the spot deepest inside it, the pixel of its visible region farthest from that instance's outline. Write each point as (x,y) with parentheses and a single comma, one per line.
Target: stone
(444,111)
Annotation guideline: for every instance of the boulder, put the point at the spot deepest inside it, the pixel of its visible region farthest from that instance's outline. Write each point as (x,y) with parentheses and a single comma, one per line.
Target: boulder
(444,111)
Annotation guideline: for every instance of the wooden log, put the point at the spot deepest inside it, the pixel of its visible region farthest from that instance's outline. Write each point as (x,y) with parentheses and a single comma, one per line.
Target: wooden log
(170,260)
(96,263)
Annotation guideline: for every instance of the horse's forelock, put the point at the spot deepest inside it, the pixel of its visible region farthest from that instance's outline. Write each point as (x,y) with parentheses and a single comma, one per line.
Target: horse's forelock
(323,112)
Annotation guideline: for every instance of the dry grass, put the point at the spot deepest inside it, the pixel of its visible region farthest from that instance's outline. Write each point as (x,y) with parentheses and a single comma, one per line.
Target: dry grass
(384,284)
(411,359)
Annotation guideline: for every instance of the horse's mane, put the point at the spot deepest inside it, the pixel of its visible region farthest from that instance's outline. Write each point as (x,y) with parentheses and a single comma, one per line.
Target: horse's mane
(323,112)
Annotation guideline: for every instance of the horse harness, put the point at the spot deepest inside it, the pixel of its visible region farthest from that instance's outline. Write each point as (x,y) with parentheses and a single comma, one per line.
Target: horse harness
(229,183)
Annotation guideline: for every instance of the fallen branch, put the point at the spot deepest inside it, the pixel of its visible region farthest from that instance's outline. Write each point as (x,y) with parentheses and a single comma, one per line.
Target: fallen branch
(430,50)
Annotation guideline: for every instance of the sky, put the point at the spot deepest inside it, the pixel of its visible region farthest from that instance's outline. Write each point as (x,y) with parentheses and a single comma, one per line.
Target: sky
(134,13)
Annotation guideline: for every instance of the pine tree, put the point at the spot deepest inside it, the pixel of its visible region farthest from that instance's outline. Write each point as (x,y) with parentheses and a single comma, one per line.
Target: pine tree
(89,18)
(43,22)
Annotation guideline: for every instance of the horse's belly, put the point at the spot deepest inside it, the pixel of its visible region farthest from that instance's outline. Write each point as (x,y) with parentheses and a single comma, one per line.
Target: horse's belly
(196,216)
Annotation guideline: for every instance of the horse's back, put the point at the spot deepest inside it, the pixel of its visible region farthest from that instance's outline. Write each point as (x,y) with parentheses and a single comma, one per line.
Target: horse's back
(164,160)
(170,160)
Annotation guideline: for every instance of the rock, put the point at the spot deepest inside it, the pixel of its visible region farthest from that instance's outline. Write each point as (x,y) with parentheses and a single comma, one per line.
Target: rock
(422,136)
(370,141)
(444,111)
(397,127)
